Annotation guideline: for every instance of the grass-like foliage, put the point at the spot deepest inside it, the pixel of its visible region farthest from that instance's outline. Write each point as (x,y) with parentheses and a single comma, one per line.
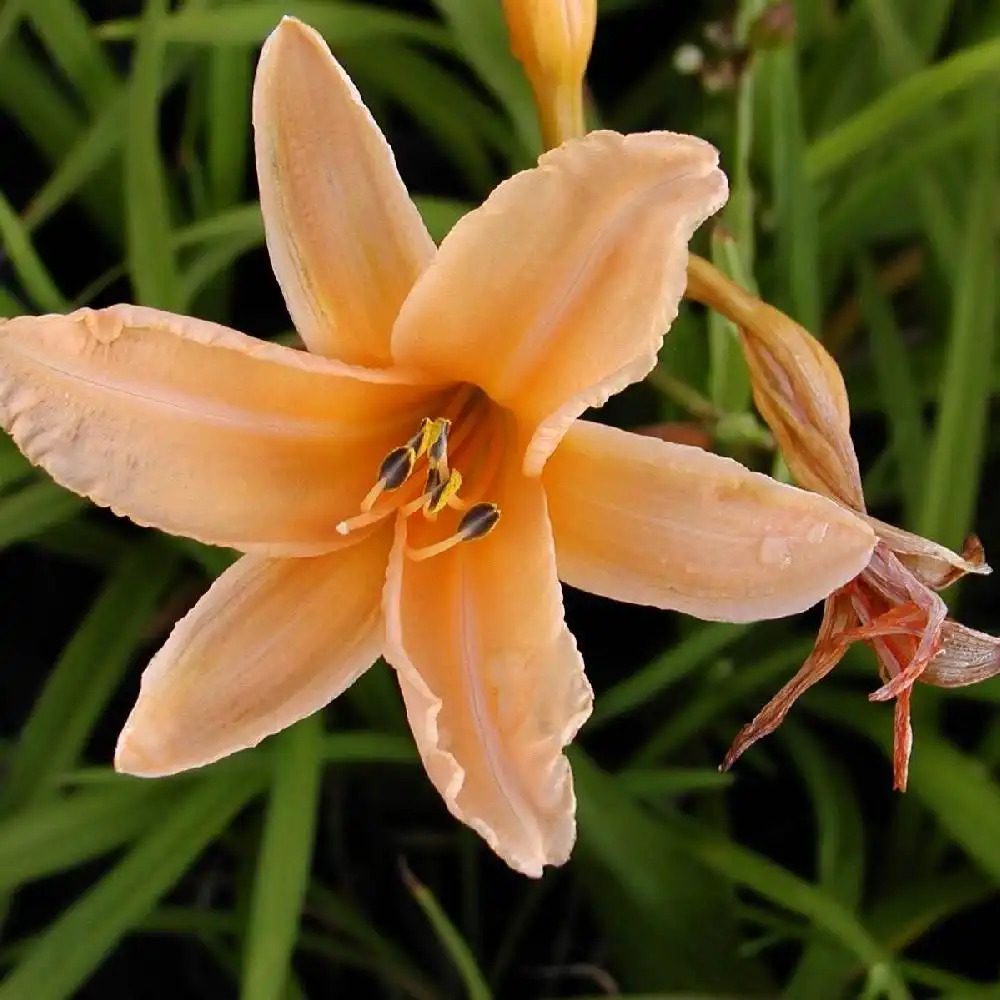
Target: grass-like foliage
(864,155)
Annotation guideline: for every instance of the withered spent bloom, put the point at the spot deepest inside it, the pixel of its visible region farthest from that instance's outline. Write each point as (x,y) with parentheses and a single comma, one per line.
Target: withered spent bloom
(893,604)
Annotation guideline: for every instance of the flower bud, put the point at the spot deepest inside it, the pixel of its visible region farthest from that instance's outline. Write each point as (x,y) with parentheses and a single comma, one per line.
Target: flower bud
(552,40)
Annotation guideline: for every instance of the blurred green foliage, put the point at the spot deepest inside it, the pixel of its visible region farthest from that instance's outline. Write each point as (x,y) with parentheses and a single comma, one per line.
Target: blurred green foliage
(864,161)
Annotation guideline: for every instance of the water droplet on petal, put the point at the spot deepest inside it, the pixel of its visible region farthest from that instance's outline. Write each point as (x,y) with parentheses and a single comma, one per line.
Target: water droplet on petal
(775,551)
(817,533)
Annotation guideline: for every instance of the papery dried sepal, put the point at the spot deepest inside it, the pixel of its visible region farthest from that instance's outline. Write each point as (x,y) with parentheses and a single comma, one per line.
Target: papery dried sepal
(966,657)
(934,565)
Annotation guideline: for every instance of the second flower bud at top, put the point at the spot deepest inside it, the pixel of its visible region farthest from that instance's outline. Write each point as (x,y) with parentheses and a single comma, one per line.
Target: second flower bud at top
(552,39)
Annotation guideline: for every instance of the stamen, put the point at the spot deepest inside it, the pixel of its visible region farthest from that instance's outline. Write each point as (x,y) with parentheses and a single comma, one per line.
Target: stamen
(437,495)
(433,481)
(362,520)
(443,494)
(370,497)
(441,485)
(477,522)
(395,469)
(437,450)
(421,441)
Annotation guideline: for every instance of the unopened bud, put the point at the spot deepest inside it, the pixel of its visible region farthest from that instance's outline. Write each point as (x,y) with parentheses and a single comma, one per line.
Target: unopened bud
(552,39)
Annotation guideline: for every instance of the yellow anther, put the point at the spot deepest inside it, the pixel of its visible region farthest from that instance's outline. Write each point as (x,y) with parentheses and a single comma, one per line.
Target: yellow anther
(421,441)
(443,494)
(437,450)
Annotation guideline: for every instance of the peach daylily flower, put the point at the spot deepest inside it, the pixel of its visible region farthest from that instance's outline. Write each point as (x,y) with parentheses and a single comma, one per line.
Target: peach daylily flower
(334,471)
(893,605)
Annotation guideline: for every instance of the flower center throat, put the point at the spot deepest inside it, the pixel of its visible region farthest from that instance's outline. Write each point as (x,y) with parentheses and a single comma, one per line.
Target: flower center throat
(442,489)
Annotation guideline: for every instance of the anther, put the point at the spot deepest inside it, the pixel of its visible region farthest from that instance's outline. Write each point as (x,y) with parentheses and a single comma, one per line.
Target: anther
(443,494)
(421,441)
(441,489)
(395,469)
(434,480)
(477,522)
(437,451)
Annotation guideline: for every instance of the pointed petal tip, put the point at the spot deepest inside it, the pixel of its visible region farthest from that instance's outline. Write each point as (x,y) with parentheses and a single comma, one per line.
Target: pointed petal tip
(646,521)
(553,851)
(289,25)
(974,556)
(133,757)
(934,565)
(289,30)
(147,749)
(855,541)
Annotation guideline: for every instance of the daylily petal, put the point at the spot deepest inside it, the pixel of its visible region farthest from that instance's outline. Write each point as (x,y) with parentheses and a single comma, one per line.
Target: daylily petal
(197,429)
(933,565)
(271,642)
(651,522)
(556,293)
(346,241)
(493,683)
